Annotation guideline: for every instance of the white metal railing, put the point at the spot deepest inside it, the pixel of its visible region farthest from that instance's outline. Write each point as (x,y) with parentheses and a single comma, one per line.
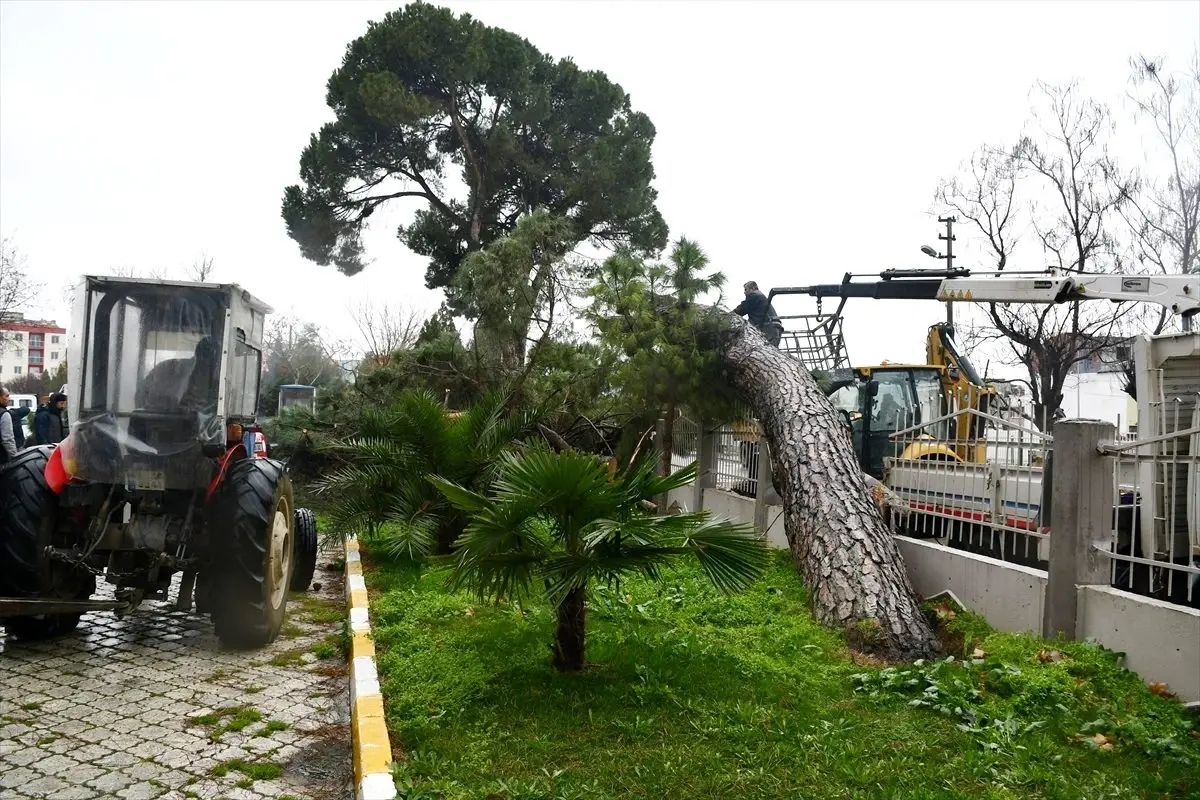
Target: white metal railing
(1155,542)
(978,490)
(737,456)
(685,442)
(736,445)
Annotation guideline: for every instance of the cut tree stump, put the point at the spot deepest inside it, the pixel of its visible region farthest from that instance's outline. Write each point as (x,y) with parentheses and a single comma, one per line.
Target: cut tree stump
(837,535)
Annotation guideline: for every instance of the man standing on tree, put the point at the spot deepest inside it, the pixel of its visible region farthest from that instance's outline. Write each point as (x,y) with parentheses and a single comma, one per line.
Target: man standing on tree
(759,313)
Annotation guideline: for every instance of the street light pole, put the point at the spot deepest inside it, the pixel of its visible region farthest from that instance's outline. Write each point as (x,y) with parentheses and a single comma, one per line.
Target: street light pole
(948,238)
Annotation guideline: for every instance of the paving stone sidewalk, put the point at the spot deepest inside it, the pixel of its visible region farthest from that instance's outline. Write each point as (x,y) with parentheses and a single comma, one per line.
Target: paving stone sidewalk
(152,707)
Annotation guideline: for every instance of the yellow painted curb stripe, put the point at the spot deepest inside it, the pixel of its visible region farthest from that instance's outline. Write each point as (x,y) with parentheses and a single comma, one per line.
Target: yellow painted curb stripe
(372,748)
(362,646)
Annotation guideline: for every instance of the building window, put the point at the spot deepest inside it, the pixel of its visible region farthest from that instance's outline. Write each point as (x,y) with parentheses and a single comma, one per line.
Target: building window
(20,337)
(16,370)
(53,340)
(54,355)
(36,339)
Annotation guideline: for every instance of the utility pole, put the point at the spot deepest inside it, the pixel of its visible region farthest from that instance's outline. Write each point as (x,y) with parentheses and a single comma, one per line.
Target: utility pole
(948,238)
(948,257)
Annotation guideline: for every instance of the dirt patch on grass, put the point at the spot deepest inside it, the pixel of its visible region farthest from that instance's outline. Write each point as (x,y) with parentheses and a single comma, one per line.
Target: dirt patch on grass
(325,765)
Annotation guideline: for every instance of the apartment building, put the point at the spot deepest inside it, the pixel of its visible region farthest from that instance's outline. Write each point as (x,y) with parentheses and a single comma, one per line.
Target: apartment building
(30,347)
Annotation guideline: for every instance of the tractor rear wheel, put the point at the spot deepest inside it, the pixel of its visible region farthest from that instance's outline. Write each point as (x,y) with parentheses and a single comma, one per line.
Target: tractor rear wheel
(27,517)
(253,527)
(306,550)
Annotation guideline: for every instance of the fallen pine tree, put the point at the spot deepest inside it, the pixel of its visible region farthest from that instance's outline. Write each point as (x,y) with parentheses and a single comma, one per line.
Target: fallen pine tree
(831,516)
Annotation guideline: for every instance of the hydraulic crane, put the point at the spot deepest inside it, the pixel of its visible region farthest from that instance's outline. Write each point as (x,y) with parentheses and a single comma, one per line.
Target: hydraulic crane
(1178,293)
(961,387)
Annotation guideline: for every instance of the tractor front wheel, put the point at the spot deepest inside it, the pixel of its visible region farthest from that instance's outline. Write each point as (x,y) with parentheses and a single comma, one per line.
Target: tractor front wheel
(306,550)
(27,516)
(253,528)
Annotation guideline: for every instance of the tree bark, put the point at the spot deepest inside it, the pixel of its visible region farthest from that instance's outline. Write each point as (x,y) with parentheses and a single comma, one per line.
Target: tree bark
(839,541)
(667,447)
(569,655)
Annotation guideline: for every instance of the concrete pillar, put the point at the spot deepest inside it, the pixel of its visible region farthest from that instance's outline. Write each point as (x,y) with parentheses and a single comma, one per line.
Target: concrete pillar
(706,464)
(664,457)
(1081,518)
(762,486)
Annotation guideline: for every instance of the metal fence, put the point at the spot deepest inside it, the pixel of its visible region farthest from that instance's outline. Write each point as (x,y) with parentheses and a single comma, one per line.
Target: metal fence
(980,483)
(685,442)
(1155,544)
(735,463)
(973,480)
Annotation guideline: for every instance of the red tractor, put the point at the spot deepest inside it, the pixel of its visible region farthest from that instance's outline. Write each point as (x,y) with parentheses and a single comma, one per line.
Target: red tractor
(164,471)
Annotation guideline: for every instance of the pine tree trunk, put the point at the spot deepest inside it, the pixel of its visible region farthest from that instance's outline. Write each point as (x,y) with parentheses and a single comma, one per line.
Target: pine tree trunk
(569,653)
(842,548)
(667,449)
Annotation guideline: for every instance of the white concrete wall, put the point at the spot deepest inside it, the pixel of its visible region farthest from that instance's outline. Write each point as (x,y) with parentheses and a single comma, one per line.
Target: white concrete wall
(1010,597)
(1161,641)
(734,507)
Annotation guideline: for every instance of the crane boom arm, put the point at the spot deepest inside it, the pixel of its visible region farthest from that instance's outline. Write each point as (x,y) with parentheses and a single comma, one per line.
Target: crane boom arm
(1178,293)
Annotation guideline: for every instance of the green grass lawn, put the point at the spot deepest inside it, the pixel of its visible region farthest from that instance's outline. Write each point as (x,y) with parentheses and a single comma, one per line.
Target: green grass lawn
(695,695)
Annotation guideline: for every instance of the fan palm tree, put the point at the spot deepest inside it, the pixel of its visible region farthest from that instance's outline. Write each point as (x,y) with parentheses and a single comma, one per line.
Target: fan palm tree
(394,448)
(564,521)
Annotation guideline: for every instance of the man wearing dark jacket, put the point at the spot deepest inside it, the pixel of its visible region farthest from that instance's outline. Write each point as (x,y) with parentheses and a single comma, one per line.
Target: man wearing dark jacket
(48,425)
(759,313)
(18,414)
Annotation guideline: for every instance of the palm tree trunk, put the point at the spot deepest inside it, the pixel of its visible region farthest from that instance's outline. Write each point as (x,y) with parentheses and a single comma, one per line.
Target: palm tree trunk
(572,627)
(838,538)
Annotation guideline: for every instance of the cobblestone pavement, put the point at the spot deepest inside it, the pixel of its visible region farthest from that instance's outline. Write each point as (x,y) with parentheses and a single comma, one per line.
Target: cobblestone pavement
(152,707)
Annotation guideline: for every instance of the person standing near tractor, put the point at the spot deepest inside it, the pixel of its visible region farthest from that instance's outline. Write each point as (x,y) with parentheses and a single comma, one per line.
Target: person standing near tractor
(758,312)
(48,426)
(8,423)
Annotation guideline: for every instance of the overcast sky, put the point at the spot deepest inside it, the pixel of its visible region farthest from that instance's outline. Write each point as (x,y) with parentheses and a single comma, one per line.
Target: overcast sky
(796,140)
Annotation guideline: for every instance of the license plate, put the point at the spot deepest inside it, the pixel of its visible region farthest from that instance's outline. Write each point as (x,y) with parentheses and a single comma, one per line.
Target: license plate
(145,480)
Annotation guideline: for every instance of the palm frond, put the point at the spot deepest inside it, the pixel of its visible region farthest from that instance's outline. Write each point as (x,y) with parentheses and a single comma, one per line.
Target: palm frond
(461,498)
(642,481)
(412,539)
(733,556)
(496,557)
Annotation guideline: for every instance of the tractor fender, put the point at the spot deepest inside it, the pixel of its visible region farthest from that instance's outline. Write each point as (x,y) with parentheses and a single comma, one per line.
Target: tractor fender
(61,465)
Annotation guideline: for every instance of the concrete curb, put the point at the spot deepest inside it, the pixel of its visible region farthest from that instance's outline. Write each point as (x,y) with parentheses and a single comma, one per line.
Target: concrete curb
(372,750)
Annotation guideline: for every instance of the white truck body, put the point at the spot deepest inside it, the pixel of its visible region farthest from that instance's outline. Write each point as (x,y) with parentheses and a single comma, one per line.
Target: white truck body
(1005,492)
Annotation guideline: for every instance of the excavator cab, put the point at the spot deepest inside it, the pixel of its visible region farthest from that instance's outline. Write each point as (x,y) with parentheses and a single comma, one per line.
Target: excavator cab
(878,402)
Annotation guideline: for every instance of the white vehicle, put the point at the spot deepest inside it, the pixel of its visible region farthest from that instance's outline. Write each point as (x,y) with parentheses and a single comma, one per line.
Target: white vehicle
(24,401)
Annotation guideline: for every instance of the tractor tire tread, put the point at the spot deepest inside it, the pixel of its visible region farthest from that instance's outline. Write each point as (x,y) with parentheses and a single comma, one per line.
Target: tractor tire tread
(23,496)
(305,559)
(245,508)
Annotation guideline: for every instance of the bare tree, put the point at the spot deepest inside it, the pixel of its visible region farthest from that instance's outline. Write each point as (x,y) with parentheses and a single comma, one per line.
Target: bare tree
(384,329)
(131,271)
(1164,217)
(300,352)
(17,289)
(200,270)
(1063,177)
